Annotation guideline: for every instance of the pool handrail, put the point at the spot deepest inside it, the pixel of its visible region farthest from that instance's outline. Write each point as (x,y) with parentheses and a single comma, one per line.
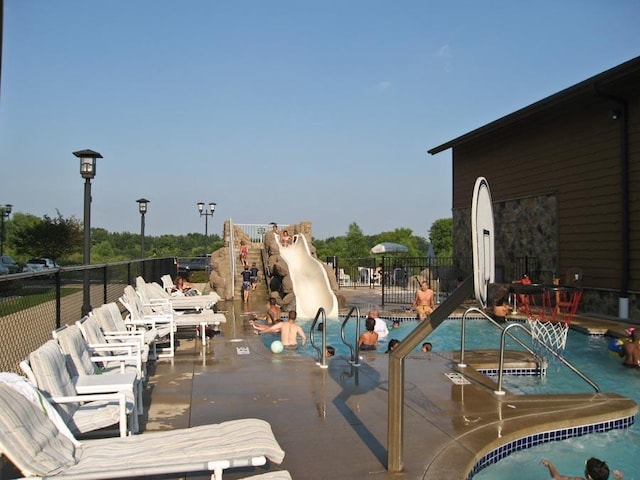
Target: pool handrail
(355,351)
(494,323)
(558,356)
(395,421)
(322,352)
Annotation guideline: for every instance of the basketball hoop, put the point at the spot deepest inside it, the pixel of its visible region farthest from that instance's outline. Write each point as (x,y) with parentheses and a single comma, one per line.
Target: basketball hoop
(550,333)
(549,324)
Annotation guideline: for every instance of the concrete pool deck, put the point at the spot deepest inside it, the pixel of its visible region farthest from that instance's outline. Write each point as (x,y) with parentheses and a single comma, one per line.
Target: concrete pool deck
(332,423)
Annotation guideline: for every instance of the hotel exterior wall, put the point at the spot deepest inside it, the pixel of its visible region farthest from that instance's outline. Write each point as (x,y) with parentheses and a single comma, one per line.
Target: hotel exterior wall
(573,153)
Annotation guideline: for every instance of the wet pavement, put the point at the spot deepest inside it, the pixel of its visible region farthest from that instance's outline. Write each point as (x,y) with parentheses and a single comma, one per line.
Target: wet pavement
(332,423)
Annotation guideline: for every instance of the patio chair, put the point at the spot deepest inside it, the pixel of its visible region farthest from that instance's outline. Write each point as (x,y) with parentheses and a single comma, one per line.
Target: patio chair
(198,318)
(129,356)
(30,440)
(99,374)
(154,293)
(144,316)
(114,328)
(46,369)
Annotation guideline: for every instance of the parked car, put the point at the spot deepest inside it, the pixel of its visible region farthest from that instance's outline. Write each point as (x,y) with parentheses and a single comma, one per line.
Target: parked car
(10,264)
(39,264)
(3,270)
(201,264)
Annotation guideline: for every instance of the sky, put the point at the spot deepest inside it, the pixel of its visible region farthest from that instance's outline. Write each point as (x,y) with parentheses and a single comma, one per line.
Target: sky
(277,110)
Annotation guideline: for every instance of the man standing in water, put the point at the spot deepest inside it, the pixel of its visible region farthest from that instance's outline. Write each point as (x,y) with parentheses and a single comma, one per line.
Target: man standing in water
(289,331)
(423,302)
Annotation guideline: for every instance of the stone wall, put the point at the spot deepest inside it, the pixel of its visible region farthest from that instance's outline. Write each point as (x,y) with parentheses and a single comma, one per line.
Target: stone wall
(523,227)
(527,226)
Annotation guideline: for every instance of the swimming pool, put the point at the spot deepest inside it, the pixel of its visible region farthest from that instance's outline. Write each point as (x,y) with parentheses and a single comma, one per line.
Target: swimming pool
(590,354)
(445,337)
(617,447)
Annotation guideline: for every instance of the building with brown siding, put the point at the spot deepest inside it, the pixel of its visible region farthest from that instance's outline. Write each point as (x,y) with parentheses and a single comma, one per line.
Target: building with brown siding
(564,175)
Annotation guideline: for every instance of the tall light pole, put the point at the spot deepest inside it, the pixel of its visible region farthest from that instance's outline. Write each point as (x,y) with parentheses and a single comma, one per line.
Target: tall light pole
(206,214)
(5,211)
(142,208)
(88,172)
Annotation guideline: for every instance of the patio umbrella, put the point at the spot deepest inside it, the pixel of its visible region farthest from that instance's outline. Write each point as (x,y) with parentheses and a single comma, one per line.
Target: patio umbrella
(389,247)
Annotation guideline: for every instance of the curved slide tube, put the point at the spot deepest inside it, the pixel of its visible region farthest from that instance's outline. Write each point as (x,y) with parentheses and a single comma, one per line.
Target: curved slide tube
(310,281)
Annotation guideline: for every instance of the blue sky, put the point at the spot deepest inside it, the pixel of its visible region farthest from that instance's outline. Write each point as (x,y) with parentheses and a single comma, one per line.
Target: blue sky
(276,110)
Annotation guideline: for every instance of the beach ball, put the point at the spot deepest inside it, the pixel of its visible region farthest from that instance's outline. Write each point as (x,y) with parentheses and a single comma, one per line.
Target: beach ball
(615,345)
(276,346)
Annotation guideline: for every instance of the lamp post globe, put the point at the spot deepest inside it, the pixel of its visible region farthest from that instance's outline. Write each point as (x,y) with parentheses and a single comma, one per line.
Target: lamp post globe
(206,214)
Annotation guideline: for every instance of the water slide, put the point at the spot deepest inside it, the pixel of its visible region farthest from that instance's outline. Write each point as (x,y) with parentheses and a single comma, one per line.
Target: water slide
(310,281)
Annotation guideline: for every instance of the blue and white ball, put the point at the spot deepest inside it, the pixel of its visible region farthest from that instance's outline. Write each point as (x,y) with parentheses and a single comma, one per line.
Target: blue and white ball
(277,346)
(615,345)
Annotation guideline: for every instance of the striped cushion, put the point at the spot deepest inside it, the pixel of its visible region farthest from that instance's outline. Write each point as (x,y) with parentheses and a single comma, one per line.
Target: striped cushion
(75,349)
(277,475)
(50,369)
(186,450)
(29,439)
(35,446)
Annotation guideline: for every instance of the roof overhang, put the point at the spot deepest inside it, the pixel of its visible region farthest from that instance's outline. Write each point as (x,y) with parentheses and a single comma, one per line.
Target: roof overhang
(591,86)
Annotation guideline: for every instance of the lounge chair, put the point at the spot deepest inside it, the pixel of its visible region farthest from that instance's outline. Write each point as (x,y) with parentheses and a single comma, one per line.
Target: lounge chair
(154,292)
(114,327)
(33,443)
(135,354)
(47,370)
(186,318)
(100,374)
(146,317)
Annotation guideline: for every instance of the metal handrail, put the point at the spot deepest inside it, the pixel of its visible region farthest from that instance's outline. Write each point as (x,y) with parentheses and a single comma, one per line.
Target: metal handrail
(232,259)
(322,352)
(494,323)
(566,362)
(355,351)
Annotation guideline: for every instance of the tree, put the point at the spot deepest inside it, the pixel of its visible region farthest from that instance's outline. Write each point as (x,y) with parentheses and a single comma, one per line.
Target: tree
(48,237)
(356,245)
(441,237)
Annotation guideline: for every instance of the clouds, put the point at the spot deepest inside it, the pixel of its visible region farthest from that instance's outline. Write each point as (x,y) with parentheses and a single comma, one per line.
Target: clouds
(384,85)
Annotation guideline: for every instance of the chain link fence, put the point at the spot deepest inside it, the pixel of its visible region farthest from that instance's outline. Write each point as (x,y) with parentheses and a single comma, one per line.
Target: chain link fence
(32,305)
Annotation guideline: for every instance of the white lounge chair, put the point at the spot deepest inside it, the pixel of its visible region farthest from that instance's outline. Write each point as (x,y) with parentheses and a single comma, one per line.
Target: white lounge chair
(100,374)
(33,443)
(146,317)
(134,354)
(114,328)
(47,370)
(191,318)
(154,292)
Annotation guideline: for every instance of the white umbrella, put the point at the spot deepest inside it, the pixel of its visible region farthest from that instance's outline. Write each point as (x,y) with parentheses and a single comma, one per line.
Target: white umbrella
(389,247)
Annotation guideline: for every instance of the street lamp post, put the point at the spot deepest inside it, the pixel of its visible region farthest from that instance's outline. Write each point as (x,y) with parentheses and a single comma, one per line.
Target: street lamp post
(88,172)
(5,211)
(206,214)
(142,208)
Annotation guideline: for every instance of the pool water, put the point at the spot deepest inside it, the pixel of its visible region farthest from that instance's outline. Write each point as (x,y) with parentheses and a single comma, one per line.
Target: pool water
(589,354)
(617,447)
(446,337)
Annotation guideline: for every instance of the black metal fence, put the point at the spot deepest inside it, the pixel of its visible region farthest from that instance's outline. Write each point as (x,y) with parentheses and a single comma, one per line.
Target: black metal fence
(32,305)
(400,276)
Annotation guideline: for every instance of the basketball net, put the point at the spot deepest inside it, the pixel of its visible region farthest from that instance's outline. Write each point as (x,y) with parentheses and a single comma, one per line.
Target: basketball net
(549,325)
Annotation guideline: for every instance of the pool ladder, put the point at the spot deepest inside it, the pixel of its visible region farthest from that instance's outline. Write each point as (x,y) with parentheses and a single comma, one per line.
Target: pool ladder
(322,350)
